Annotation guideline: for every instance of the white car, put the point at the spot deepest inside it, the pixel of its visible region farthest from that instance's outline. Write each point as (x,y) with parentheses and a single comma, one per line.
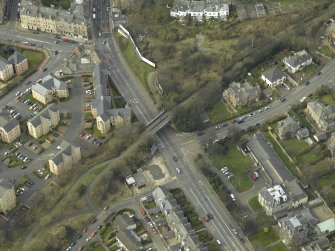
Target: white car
(59,148)
(235,231)
(178,170)
(303,99)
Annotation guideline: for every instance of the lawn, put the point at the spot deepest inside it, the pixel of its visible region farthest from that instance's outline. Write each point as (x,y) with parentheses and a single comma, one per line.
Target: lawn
(294,146)
(65,4)
(327,99)
(34,58)
(107,231)
(238,164)
(99,248)
(278,247)
(253,202)
(311,156)
(140,68)
(220,113)
(262,238)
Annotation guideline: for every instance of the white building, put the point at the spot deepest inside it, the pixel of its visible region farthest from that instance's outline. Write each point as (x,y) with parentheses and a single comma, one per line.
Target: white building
(298,61)
(199,9)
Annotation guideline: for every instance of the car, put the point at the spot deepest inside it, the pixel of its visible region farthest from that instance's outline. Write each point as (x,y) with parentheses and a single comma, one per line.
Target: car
(55,52)
(307,83)
(104,42)
(84,230)
(256,174)
(105,208)
(253,177)
(282,99)
(235,231)
(178,170)
(232,197)
(79,236)
(45,69)
(93,220)
(224,169)
(100,226)
(89,238)
(174,158)
(23,167)
(319,73)
(35,32)
(88,136)
(302,99)
(59,148)
(94,233)
(73,244)
(56,42)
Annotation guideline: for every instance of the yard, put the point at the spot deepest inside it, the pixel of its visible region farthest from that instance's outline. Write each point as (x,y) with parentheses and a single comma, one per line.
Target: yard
(253,202)
(263,238)
(238,164)
(294,146)
(108,233)
(327,99)
(311,156)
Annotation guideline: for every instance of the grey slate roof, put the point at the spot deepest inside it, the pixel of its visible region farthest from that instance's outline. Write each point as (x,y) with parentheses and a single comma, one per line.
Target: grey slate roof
(4,188)
(16,58)
(123,221)
(298,58)
(10,125)
(45,113)
(273,74)
(3,63)
(129,240)
(49,82)
(264,153)
(122,112)
(66,151)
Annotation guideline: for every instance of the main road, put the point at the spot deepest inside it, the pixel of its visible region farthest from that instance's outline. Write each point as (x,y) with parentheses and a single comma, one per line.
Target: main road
(193,184)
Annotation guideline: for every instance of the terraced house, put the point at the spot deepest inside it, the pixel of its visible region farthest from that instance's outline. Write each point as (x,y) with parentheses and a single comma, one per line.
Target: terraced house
(44,121)
(200,9)
(64,160)
(65,23)
(49,89)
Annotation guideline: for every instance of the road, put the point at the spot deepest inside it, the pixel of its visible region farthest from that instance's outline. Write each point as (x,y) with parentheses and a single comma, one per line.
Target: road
(194,185)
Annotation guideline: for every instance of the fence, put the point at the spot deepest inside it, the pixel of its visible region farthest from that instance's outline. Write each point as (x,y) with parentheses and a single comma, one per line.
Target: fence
(124,32)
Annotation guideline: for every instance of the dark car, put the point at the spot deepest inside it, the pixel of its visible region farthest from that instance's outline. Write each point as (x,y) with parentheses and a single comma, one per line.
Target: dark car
(24,167)
(28,82)
(175,158)
(307,83)
(319,73)
(93,221)
(45,69)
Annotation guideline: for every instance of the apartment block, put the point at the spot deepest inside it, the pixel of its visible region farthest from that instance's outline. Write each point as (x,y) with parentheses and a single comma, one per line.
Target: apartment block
(9,130)
(49,89)
(19,62)
(64,160)
(44,121)
(6,69)
(56,21)
(7,198)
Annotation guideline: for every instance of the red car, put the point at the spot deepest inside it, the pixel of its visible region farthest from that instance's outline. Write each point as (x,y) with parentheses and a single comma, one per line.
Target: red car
(94,233)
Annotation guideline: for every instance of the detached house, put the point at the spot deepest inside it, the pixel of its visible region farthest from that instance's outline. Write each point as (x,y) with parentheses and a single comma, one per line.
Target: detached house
(44,121)
(298,61)
(322,115)
(239,95)
(287,128)
(6,69)
(63,161)
(299,228)
(274,76)
(279,199)
(19,62)
(49,89)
